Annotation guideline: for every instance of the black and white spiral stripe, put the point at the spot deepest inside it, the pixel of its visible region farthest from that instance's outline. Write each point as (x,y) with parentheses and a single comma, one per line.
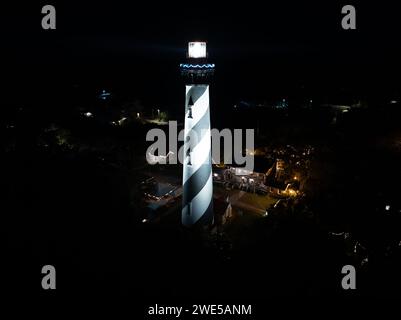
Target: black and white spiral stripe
(197,206)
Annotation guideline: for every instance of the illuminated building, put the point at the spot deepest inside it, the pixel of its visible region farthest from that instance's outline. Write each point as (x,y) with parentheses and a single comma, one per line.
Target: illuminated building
(197,203)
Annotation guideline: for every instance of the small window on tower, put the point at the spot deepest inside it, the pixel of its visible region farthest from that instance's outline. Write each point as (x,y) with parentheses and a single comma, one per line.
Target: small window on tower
(190,104)
(189,157)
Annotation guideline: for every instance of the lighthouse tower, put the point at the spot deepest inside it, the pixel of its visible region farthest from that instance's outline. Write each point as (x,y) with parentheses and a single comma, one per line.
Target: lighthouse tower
(197,201)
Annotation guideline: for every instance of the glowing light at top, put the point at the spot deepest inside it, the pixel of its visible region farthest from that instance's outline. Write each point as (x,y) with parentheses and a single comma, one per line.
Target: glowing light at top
(197,49)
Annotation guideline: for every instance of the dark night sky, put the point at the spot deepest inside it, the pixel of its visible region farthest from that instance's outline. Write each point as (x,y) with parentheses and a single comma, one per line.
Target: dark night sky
(258,47)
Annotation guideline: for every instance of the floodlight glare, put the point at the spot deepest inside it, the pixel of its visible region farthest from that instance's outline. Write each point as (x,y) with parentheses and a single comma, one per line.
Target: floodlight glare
(197,49)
